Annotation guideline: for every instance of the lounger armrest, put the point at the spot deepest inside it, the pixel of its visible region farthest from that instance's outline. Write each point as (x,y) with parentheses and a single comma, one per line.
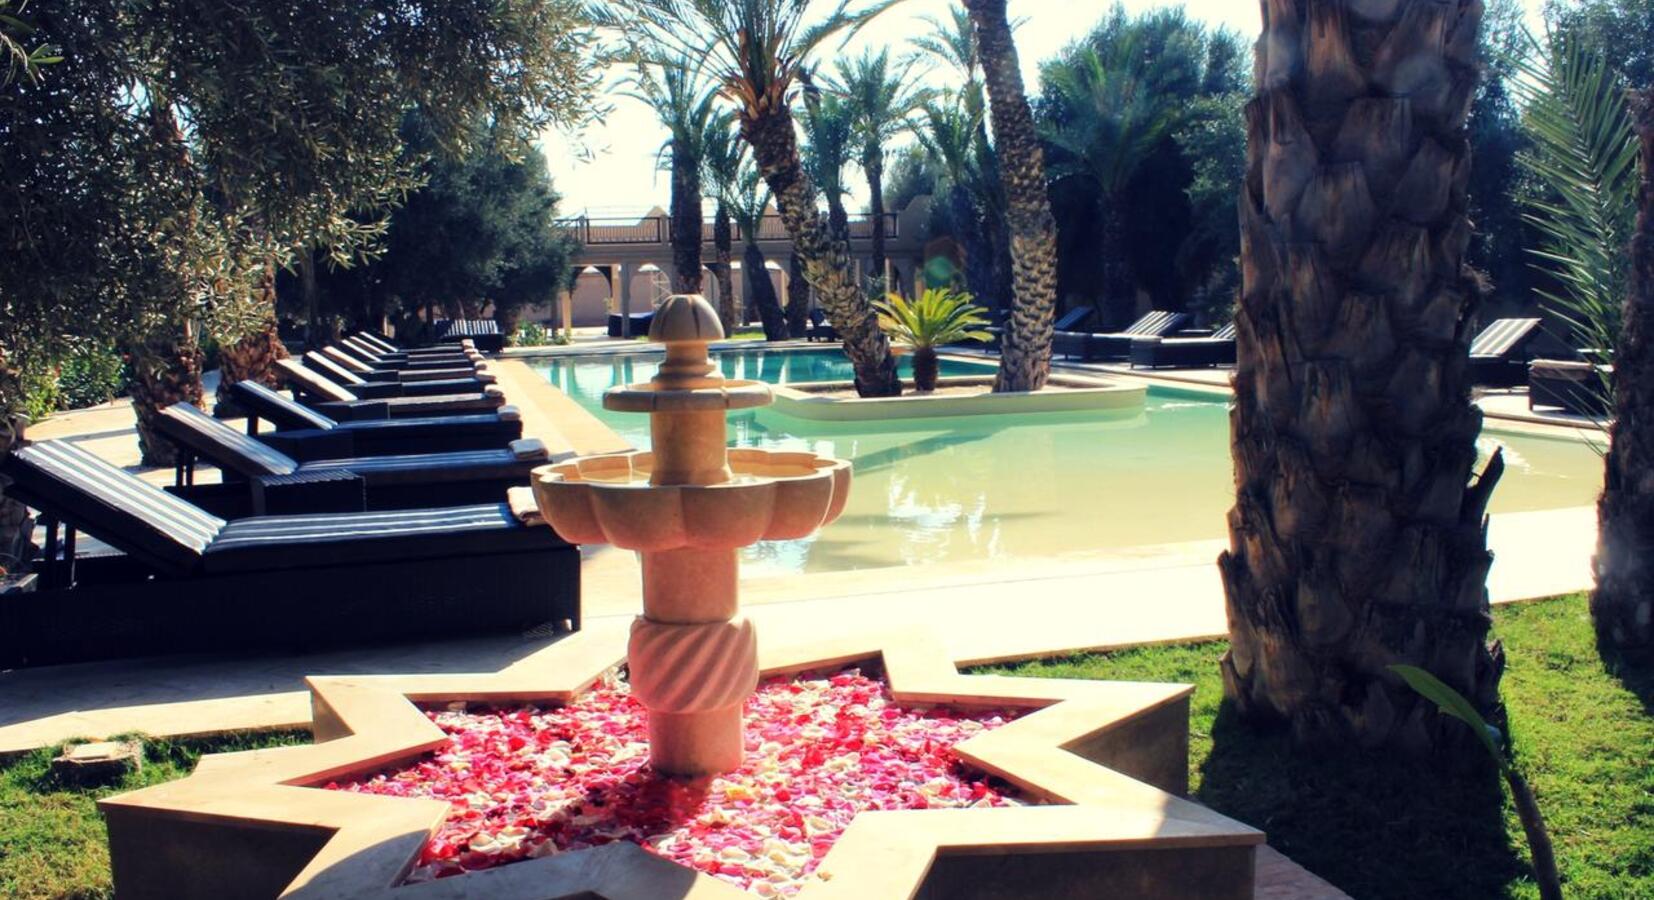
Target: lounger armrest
(315,491)
(310,443)
(354,411)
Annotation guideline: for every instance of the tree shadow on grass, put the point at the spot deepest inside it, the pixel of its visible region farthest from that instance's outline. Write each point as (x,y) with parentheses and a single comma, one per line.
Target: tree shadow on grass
(1376,825)
(1633,670)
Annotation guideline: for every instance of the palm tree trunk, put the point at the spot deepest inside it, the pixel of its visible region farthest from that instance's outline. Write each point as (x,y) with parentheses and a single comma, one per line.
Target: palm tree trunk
(926,368)
(826,255)
(872,163)
(686,221)
(798,298)
(1355,542)
(166,369)
(253,357)
(1025,352)
(16,526)
(722,241)
(1623,603)
(761,293)
(1119,292)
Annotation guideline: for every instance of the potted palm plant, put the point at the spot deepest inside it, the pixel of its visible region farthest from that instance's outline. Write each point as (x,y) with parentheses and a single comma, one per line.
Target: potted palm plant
(938,316)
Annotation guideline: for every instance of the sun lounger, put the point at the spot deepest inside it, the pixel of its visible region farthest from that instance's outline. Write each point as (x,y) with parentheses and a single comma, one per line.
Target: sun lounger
(1116,345)
(377,437)
(398,481)
(1185,353)
(1568,386)
(1500,354)
(385,348)
(485,334)
(369,367)
(331,399)
(194,582)
(383,386)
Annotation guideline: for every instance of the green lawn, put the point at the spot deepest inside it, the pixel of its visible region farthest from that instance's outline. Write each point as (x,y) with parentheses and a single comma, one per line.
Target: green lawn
(52,841)
(1381,827)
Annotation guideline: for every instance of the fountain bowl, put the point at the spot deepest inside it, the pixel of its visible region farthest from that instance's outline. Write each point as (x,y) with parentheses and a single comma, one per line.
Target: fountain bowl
(773,496)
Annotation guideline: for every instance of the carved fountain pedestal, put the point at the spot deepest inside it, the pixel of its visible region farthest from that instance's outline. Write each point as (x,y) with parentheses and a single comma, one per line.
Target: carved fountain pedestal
(687,507)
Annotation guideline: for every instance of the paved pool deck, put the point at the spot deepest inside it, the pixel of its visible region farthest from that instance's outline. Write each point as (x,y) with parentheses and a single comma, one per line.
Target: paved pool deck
(989,611)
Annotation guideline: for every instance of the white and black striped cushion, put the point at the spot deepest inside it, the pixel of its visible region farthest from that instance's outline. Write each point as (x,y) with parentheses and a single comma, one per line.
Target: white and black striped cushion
(312,382)
(1226,333)
(268,404)
(274,542)
(1501,337)
(1155,323)
(423,468)
(116,506)
(224,446)
(332,368)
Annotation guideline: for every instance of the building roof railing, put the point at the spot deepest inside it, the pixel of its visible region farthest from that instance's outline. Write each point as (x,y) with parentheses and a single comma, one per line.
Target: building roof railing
(658,229)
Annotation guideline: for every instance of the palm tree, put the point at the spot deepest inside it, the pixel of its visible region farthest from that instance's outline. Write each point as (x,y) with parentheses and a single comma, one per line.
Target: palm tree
(1025,349)
(756,48)
(1107,121)
(946,129)
(937,317)
(722,153)
(1623,603)
(798,297)
(881,98)
(749,203)
(1355,542)
(827,127)
(685,104)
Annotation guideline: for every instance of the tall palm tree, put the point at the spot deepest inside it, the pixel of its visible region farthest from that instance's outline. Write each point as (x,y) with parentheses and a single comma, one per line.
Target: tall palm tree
(756,48)
(1025,349)
(749,203)
(798,297)
(721,164)
(685,103)
(881,96)
(827,125)
(1355,542)
(1107,122)
(946,129)
(1623,602)
(953,43)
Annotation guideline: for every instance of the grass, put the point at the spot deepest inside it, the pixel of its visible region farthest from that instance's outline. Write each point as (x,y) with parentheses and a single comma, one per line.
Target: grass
(1382,827)
(52,842)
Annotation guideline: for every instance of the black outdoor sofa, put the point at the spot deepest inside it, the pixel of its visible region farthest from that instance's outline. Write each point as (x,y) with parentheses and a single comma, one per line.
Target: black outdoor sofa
(820,329)
(1574,387)
(392,386)
(1185,353)
(188,581)
(640,324)
(1115,346)
(330,398)
(375,437)
(311,476)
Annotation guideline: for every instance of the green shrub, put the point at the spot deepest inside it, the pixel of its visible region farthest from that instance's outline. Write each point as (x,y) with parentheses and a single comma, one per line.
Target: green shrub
(89,376)
(40,392)
(531,334)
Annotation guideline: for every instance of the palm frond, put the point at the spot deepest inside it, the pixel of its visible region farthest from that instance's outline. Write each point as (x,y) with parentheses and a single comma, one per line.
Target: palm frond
(939,316)
(1584,155)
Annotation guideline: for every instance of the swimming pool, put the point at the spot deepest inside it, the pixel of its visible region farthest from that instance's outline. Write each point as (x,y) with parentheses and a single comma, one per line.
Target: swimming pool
(1040,485)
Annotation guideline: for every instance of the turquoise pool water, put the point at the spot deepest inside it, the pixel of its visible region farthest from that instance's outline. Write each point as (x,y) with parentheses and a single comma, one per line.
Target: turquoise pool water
(1041,485)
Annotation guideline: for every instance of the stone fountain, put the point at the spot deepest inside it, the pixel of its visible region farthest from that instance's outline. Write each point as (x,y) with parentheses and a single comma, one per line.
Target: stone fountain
(688,507)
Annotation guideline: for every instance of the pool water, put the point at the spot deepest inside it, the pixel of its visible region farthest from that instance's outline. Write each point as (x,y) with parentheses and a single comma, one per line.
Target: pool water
(1039,485)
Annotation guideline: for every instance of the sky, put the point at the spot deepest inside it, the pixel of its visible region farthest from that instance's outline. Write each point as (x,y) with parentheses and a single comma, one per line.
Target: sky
(610,168)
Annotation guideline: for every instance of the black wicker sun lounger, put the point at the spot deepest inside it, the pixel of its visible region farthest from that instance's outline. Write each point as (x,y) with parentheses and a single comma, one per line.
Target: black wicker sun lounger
(389,385)
(377,437)
(383,345)
(188,581)
(1185,353)
(377,369)
(1500,355)
(402,481)
(359,353)
(1116,345)
(331,399)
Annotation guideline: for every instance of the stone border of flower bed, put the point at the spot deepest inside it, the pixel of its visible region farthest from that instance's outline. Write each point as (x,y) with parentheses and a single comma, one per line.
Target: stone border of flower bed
(1110,758)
